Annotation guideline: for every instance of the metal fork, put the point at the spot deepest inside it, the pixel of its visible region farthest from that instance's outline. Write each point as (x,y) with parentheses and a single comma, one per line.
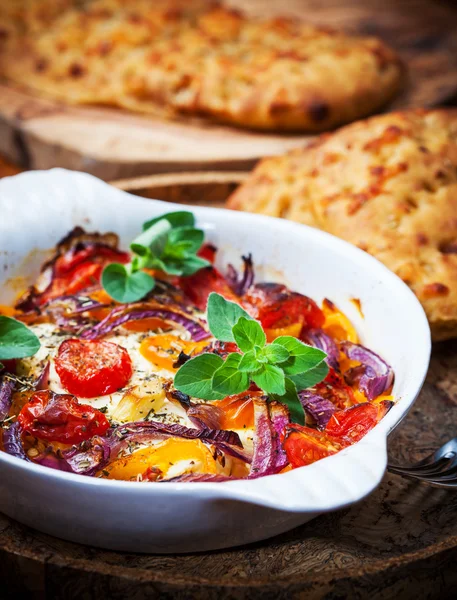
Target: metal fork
(439,469)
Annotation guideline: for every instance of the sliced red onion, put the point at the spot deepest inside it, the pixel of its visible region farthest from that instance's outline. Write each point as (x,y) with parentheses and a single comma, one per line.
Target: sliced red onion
(88,462)
(90,457)
(197,478)
(42,381)
(67,312)
(239,284)
(280,419)
(352,376)
(206,416)
(203,416)
(319,408)
(377,377)
(74,304)
(265,448)
(12,442)
(50,460)
(6,396)
(320,339)
(196,330)
(174,429)
(227,441)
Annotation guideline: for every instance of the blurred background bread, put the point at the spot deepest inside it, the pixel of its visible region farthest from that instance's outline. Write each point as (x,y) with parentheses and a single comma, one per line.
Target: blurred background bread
(198,58)
(388,185)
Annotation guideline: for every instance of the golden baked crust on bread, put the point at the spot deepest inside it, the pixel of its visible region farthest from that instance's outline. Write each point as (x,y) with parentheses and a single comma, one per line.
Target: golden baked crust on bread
(387,185)
(199,58)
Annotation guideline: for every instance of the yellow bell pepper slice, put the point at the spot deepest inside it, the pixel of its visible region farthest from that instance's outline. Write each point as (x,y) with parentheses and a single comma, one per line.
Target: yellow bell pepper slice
(158,459)
(162,350)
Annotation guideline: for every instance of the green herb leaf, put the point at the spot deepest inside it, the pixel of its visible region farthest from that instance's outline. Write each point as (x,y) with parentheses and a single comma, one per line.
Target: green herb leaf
(192,264)
(291,400)
(270,379)
(222,316)
(249,363)
(124,286)
(170,267)
(248,334)
(16,339)
(275,353)
(180,218)
(153,240)
(195,377)
(311,377)
(302,357)
(183,241)
(168,243)
(228,379)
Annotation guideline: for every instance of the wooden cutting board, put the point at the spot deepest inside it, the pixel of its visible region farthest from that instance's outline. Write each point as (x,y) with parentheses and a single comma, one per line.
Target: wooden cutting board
(37,133)
(400,542)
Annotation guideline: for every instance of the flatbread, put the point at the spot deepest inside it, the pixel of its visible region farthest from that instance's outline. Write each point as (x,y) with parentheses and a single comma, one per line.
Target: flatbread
(198,58)
(387,185)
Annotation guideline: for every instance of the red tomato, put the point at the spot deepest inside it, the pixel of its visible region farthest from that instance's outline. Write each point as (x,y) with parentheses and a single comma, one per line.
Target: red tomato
(208,252)
(77,271)
(223,349)
(275,306)
(352,424)
(60,418)
(304,445)
(92,368)
(91,253)
(83,276)
(198,287)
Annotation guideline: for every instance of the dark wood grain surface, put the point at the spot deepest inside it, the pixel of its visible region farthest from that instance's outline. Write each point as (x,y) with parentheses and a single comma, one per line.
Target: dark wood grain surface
(400,542)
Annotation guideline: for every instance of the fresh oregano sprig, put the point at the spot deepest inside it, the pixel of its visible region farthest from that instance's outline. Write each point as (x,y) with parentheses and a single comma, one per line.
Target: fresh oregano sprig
(280,369)
(168,243)
(16,339)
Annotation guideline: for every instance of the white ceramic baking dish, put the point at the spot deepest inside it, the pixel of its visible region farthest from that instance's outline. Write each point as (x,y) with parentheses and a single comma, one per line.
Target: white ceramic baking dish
(39,208)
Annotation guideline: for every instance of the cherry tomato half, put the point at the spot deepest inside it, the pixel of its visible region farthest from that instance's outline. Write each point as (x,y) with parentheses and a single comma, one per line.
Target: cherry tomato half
(275,306)
(94,253)
(208,252)
(352,424)
(223,349)
(92,368)
(304,445)
(79,270)
(199,286)
(60,418)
